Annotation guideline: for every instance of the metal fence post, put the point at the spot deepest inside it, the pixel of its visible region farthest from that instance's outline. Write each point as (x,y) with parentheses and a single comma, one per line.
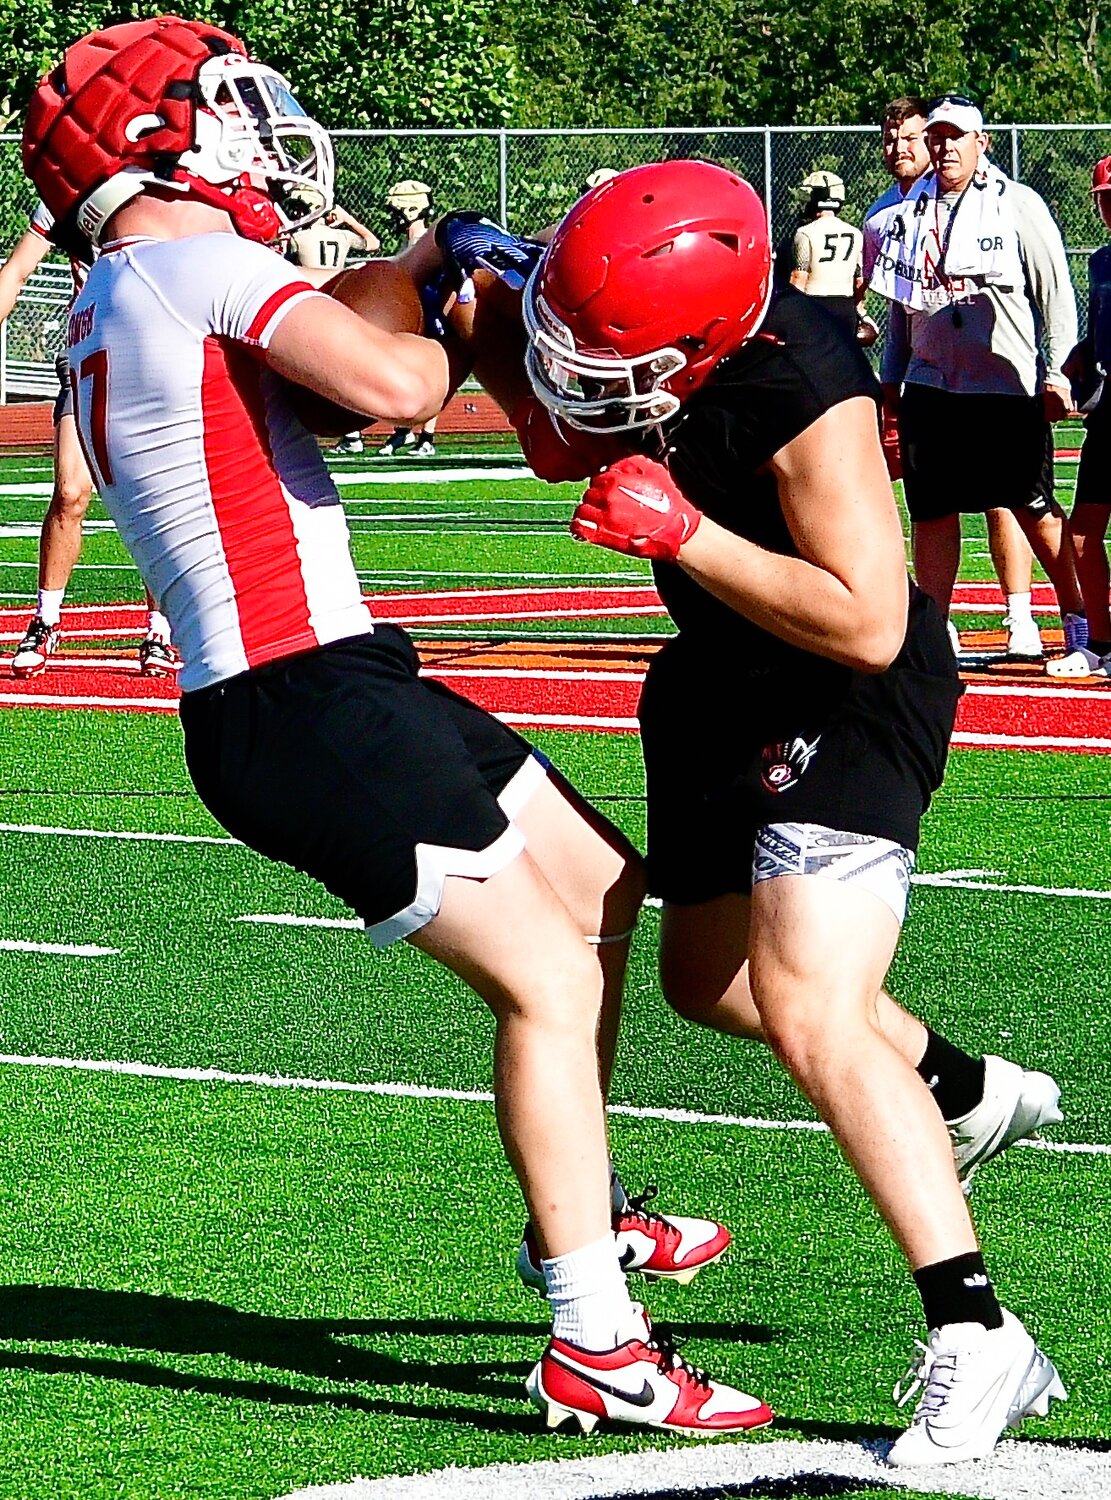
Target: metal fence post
(768,170)
(1016,164)
(503,184)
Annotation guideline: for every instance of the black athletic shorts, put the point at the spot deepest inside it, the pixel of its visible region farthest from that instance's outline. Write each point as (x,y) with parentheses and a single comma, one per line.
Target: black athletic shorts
(967,454)
(345,764)
(728,751)
(1093,479)
(63,401)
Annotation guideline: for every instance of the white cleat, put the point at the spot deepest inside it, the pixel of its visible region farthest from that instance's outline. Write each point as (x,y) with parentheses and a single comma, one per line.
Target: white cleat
(1024,639)
(974,1383)
(1015,1106)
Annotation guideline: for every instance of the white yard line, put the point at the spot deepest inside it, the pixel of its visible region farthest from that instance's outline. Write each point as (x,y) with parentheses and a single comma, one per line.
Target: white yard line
(59,950)
(1015,1471)
(131,1069)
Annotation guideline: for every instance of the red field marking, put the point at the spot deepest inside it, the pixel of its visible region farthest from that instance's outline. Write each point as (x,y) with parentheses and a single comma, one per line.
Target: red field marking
(564,684)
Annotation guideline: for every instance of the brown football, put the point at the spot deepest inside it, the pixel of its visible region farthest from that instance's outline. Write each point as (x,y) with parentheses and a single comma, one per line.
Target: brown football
(383,294)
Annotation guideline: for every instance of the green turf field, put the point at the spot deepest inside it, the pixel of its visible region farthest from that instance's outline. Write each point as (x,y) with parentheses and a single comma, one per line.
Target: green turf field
(298,1268)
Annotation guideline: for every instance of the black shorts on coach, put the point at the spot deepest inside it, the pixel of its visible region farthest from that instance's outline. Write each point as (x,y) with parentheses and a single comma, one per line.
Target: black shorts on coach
(969,453)
(345,764)
(728,750)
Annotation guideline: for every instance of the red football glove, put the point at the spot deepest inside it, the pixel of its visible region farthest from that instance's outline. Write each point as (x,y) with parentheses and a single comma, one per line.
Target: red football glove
(636,507)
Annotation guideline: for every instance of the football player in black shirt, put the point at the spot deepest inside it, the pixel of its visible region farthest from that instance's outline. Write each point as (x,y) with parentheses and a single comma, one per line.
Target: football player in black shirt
(796,727)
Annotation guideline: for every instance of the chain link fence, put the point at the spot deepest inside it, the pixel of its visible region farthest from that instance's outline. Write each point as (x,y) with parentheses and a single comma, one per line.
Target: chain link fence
(527,179)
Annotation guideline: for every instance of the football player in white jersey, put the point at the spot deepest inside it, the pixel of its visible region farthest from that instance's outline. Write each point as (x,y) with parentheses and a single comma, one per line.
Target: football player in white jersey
(308,732)
(60,541)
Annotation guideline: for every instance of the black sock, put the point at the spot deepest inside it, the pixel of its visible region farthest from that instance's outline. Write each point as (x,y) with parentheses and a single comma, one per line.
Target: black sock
(1099,648)
(958,1291)
(955,1079)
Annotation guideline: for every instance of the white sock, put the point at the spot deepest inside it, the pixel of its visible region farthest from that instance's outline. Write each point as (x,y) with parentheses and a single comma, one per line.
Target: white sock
(158,625)
(50,605)
(619,1197)
(1018,606)
(589,1297)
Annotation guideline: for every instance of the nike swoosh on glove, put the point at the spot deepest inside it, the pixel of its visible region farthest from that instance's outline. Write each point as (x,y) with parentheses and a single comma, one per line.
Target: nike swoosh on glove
(635,507)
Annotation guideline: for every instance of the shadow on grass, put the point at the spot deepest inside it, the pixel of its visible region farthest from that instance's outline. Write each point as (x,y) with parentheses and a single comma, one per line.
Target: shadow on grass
(311,1347)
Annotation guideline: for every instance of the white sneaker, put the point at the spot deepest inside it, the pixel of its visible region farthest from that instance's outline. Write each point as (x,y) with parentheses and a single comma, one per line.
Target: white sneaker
(1015,1106)
(1078,663)
(974,1383)
(1024,639)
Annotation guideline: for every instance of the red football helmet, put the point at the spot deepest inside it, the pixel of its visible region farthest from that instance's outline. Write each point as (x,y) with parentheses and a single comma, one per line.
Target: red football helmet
(650,281)
(181,105)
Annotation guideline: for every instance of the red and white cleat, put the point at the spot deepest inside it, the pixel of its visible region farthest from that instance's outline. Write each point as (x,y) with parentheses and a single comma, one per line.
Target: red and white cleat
(157,658)
(40,642)
(643,1381)
(659,1246)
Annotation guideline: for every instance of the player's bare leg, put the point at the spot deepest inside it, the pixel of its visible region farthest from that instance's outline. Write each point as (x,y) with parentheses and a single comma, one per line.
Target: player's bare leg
(937,557)
(987,1103)
(598,876)
(1052,544)
(815,988)
(515,943)
(1014,567)
(60,546)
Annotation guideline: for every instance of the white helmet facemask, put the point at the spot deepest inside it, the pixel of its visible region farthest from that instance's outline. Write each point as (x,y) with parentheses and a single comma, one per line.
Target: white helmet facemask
(597,391)
(249,125)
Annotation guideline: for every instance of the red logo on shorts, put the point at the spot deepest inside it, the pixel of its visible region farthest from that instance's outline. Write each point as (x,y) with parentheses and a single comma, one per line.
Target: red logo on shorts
(782,764)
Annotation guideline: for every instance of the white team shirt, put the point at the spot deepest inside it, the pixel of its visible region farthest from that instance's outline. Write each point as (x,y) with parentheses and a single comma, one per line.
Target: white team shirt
(217,490)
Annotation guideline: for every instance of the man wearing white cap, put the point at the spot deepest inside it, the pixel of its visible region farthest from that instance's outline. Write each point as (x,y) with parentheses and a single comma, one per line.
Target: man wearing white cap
(978,265)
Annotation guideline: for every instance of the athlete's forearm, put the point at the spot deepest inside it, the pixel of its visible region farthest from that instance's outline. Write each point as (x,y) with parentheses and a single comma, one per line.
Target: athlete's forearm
(798,601)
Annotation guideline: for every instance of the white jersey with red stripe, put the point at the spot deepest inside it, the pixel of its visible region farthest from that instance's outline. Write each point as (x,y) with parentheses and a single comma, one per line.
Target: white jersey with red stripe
(218,491)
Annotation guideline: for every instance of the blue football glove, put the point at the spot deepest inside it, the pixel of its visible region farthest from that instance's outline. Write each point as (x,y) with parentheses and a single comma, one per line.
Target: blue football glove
(470,242)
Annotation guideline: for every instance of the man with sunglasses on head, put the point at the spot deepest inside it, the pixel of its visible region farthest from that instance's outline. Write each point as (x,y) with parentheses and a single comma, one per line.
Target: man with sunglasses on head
(906,157)
(977,266)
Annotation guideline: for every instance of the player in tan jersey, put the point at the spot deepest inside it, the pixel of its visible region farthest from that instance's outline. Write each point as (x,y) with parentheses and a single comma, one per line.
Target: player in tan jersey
(827,253)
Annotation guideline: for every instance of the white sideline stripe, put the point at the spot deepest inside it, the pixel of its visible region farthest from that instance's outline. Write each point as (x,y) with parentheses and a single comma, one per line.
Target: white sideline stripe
(456,1096)
(62,950)
(1031,741)
(103,833)
(61,700)
(1015,1471)
(566,721)
(400,476)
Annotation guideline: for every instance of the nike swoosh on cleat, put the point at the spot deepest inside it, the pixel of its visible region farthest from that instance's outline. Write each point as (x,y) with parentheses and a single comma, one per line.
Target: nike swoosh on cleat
(663,506)
(644,1397)
(626,1258)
